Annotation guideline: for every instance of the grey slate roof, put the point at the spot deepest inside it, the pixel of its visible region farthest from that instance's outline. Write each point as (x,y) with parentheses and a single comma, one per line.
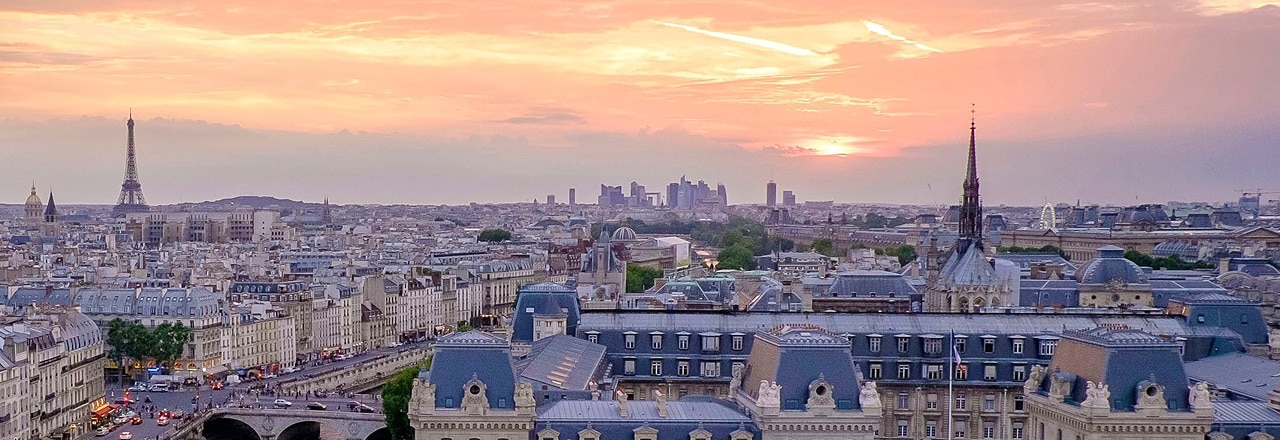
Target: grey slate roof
(1245,413)
(460,357)
(640,410)
(1110,266)
(1242,375)
(838,323)
(867,282)
(562,361)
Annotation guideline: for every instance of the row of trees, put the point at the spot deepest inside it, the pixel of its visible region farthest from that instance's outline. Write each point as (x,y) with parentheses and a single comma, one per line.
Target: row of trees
(1046,249)
(395,400)
(133,341)
(494,235)
(1172,262)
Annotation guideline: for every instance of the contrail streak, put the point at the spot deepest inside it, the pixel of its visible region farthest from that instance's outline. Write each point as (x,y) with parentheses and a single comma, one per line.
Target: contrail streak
(744,40)
(877,28)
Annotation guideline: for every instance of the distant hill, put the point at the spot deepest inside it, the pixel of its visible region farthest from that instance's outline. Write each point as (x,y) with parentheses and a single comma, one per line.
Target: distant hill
(257,202)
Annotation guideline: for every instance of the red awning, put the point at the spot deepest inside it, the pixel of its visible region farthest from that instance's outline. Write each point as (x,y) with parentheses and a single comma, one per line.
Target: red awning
(102,411)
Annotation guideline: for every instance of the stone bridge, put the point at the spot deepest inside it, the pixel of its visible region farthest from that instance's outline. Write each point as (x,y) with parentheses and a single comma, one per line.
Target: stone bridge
(288,424)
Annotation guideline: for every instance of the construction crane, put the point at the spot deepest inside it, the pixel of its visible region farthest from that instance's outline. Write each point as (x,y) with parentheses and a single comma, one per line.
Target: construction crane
(1255,206)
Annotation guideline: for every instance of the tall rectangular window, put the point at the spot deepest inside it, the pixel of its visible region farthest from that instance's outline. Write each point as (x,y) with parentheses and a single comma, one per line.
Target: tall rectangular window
(737,343)
(989,372)
(903,428)
(710,343)
(710,369)
(904,370)
(1017,346)
(931,401)
(1047,347)
(961,401)
(875,372)
(655,367)
(629,367)
(988,345)
(989,402)
(903,343)
(592,337)
(931,429)
(1020,373)
(629,341)
(960,343)
(682,342)
(682,368)
(1016,432)
(873,344)
(1018,403)
(988,430)
(933,372)
(962,371)
(933,346)
(656,341)
(904,401)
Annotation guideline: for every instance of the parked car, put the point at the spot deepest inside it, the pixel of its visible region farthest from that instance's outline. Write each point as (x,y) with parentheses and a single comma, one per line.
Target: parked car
(102,431)
(162,421)
(138,387)
(317,406)
(126,435)
(281,403)
(360,407)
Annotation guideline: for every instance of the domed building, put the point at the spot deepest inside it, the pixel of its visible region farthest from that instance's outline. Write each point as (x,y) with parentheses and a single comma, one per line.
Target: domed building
(624,234)
(1113,281)
(34,207)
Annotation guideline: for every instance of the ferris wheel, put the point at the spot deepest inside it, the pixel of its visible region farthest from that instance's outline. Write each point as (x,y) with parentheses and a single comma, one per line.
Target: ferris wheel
(1048,217)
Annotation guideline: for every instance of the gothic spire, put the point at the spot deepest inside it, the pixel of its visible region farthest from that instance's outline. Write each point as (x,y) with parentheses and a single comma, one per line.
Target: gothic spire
(971,203)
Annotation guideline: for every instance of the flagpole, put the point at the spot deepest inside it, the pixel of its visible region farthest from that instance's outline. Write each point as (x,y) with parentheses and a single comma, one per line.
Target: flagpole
(951,376)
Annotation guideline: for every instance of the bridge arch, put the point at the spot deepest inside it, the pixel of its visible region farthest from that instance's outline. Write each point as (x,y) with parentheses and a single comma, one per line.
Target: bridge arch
(381,434)
(303,430)
(226,428)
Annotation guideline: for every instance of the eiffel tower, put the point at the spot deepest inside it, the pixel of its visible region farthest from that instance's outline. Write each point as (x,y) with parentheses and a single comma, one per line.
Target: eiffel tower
(131,199)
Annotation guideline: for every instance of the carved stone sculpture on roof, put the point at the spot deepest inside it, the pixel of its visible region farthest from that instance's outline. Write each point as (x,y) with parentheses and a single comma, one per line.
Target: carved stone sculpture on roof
(1199,398)
(1033,380)
(768,395)
(422,399)
(524,395)
(737,378)
(869,396)
(1097,396)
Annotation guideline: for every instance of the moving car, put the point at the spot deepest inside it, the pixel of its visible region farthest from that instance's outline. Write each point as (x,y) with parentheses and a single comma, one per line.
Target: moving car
(135,420)
(364,408)
(101,431)
(162,421)
(281,403)
(317,405)
(126,435)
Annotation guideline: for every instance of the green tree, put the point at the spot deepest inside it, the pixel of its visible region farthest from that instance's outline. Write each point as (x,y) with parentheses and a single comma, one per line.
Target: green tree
(125,340)
(395,401)
(167,341)
(494,235)
(905,253)
(640,278)
(736,257)
(823,246)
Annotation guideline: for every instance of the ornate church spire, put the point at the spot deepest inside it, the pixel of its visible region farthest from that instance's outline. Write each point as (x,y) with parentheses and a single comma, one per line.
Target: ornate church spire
(971,203)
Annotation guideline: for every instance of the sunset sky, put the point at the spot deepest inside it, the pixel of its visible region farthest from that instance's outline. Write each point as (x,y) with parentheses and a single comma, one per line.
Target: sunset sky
(398,101)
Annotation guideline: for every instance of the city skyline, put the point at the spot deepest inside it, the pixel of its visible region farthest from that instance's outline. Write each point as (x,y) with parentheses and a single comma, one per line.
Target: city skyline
(1103,102)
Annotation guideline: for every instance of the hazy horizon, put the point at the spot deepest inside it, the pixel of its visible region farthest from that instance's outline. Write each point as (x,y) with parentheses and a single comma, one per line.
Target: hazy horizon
(382,102)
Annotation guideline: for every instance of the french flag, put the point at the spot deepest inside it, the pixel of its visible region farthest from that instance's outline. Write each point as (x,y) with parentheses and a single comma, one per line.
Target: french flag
(955,355)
